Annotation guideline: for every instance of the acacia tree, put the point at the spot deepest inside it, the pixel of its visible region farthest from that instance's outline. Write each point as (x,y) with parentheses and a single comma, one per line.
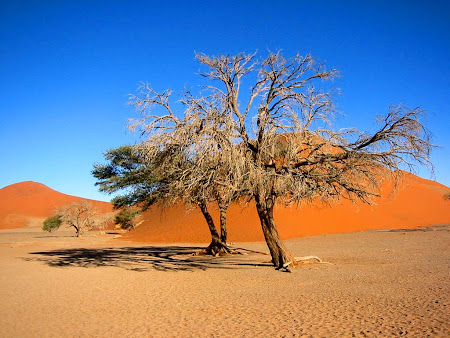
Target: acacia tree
(291,152)
(193,154)
(178,161)
(78,215)
(282,136)
(274,142)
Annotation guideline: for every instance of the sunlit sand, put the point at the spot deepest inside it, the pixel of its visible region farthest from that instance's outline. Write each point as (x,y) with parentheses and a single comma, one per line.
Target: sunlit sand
(376,283)
(148,282)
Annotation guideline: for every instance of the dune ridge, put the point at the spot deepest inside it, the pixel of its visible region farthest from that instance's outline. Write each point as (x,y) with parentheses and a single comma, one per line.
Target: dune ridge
(21,203)
(418,202)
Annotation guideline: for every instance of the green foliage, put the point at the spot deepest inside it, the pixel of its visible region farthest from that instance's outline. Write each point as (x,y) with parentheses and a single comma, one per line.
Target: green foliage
(126,171)
(52,223)
(127,219)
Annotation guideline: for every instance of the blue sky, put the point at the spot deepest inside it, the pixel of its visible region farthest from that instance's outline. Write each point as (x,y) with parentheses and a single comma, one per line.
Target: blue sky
(67,68)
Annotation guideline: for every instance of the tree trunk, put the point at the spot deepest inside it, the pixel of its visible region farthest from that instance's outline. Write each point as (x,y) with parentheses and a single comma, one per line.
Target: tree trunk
(217,246)
(223,222)
(77,229)
(281,256)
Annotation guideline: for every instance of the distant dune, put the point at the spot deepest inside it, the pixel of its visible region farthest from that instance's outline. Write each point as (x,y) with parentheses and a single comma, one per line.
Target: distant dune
(27,203)
(418,202)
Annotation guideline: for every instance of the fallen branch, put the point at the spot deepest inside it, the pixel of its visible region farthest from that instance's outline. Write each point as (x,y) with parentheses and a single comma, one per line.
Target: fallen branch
(307,258)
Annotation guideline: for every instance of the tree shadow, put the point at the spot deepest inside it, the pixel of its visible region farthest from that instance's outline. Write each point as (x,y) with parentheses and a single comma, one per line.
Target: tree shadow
(161,258)
(56,236)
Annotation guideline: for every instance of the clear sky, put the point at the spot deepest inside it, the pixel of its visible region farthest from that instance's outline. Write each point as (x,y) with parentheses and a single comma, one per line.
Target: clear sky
(67,67)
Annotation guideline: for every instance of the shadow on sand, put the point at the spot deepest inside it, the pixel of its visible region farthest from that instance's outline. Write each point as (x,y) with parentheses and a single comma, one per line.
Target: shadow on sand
(162,258)
(55,236)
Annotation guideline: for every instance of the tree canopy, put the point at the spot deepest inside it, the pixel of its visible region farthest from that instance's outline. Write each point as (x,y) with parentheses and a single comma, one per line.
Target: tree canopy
(273,141)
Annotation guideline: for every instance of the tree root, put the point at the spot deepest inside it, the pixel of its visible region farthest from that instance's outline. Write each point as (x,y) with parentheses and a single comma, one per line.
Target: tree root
(220,249)
(217,250)
(300,261)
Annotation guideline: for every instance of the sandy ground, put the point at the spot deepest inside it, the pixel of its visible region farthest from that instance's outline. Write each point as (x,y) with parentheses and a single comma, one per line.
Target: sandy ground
(376,283)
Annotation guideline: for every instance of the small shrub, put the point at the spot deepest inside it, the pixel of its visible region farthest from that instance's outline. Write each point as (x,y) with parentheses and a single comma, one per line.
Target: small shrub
(127,219)
(52,223)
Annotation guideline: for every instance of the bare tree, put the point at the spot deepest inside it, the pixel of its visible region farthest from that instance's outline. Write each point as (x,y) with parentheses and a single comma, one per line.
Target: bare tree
(194,155)
(180,159)
(79,215)
(292,154)
(274,142)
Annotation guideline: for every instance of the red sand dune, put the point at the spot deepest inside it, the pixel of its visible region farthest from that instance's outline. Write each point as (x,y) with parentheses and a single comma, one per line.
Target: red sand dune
(418,202)
(24,201)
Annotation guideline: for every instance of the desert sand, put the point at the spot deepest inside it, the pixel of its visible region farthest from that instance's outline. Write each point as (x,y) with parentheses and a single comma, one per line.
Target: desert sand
(391,281)
(375,283)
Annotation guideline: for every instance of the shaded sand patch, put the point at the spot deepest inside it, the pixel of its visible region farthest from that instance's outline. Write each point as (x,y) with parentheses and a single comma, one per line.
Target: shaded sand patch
(378,283)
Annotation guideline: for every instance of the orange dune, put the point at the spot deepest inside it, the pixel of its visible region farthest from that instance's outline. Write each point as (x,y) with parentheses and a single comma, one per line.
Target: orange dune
(24,201)
(418,202)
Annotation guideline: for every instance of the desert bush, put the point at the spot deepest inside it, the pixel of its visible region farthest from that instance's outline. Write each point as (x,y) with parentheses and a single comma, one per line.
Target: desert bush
(128,219)
(52,223)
